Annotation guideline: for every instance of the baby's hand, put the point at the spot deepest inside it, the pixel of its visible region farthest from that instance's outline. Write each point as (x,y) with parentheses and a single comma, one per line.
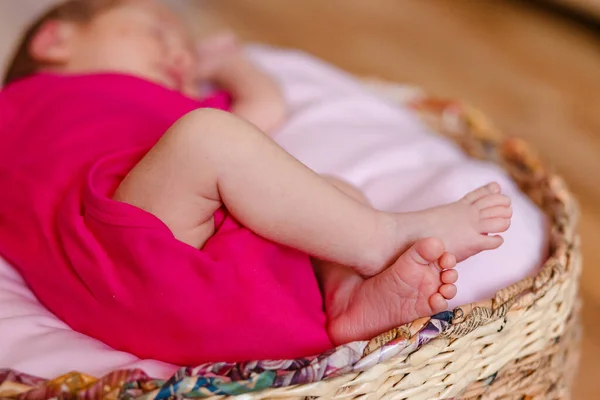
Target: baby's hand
(256,96)
(215,52)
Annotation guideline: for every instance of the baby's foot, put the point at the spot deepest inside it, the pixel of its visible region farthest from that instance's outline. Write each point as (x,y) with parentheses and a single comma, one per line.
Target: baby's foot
(464,225)
(416,285)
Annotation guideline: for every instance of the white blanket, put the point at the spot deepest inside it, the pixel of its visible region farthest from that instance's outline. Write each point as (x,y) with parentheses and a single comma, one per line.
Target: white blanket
(338,128)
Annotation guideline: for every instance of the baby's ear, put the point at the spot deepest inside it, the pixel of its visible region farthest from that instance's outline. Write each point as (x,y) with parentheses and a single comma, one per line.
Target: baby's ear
(52,44)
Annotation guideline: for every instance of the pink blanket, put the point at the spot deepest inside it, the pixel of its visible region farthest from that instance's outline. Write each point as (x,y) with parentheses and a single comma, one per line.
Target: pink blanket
(336,127)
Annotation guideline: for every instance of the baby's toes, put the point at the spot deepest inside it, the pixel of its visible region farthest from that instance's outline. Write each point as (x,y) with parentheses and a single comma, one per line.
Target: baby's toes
(493,200)
(448,291)
(447,261)
(427,251)
(496,212)
(438,303)
(494,225)
(489,242)
(483,191)
(449,276)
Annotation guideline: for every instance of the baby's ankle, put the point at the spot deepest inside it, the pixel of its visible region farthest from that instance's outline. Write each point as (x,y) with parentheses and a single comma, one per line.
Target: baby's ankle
(385,245)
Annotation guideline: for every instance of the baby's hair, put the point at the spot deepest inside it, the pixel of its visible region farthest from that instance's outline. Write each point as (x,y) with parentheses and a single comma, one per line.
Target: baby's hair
(77,11)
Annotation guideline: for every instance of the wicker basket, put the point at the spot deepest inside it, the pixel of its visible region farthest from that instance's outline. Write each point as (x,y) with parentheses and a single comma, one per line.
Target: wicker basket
(522,344)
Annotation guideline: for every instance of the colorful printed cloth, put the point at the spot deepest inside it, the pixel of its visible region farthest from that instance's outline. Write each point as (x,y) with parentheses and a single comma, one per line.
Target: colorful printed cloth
(229,378)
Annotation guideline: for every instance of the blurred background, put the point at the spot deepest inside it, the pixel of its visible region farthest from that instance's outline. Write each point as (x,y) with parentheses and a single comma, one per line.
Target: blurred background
(532,66)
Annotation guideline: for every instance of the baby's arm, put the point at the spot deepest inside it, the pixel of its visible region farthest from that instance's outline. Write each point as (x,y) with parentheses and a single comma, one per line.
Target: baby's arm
(257,97)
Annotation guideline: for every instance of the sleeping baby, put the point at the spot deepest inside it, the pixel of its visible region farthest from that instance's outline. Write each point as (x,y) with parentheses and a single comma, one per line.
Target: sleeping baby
(167,223)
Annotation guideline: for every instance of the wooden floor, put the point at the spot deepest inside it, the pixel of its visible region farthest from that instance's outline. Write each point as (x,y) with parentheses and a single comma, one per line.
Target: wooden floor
(536,75)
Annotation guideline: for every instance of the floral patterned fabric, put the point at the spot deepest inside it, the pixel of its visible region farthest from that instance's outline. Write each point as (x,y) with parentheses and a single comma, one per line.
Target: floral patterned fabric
(228,378)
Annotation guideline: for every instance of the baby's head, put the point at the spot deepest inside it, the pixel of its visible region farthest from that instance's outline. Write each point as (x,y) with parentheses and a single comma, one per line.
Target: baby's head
(137,37)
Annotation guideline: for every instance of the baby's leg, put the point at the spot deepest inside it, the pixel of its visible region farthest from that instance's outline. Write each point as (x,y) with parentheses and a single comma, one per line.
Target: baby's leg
(210,158)
(348,189)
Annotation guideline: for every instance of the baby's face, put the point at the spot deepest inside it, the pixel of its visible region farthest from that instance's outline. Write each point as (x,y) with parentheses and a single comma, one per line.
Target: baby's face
(139,38)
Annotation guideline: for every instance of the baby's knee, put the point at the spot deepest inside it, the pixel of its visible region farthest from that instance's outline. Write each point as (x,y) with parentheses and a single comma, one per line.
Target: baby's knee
(203,116)
(209,130)
(197,124)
